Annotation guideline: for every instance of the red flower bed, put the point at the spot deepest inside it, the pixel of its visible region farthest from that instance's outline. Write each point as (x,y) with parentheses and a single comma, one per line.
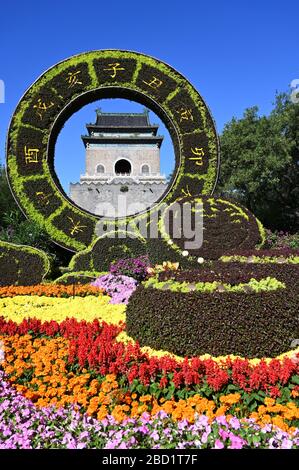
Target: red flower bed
(94,346)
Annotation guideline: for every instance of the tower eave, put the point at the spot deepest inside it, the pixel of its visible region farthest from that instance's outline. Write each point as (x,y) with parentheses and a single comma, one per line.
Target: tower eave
(89,139)
(122,129)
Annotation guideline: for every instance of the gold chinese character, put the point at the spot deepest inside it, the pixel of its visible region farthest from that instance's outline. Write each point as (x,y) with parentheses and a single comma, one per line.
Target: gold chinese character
(114,68)
(76,227)
(72,79)
(31,155)
(43,197)
(154,83)
(186,191)
(41,107)
(185,114)
(199,152)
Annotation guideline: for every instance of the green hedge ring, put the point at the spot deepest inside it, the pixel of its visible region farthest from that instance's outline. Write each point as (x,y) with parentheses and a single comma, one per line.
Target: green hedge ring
(77,81)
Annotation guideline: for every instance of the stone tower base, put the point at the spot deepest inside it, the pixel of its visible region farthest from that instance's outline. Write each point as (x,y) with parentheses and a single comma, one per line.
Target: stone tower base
(118,199)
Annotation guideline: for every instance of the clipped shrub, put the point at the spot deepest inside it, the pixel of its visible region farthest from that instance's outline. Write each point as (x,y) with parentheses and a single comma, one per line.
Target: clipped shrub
(250,324)
(107,250)
(227,225)
(22,265)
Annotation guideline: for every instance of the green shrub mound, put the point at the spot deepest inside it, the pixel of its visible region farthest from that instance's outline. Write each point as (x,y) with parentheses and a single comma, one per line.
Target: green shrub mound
(22,265)
(250,324)
(227,225)
(106,250)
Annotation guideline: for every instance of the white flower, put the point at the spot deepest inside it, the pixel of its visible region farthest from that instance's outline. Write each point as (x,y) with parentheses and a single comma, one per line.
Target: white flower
(185,253)
(200,260)
(170,242)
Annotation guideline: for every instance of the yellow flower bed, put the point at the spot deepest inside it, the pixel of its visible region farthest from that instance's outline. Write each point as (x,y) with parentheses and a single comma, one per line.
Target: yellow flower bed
(58,309)
(124,338)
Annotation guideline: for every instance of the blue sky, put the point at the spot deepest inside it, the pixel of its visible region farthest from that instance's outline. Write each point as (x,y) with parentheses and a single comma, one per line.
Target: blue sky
(236,53)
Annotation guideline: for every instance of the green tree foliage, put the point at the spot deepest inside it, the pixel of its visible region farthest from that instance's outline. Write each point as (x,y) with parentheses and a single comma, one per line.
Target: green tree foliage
(260,163)
(7,201)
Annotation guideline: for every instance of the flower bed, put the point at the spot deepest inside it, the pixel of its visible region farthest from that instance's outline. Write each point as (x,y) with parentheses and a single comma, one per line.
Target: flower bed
(79,362)
(79,380)
(50,290)
(25,426)
(49,308)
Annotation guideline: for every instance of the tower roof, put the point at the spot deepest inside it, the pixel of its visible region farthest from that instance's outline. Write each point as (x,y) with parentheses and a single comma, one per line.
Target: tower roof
(134,128)
(122,119)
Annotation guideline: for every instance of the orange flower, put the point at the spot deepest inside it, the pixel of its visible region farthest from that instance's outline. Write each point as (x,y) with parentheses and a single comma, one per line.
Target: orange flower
(269,401)
(230,399)
(50,290)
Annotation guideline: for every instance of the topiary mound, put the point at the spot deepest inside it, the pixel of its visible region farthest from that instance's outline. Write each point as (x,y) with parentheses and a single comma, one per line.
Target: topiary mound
(106,250)
(226,226)
(192,321)
(22,265)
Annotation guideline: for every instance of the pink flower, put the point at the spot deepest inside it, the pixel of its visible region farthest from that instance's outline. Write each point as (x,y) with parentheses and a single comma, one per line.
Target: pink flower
(218,444)
(236,442)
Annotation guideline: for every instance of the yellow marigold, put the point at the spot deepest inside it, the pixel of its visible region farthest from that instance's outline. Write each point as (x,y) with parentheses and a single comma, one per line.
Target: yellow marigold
(221,410)
(279,422)
(102,413)
(269,401)
(110,378)
(230,399)
(145,398)
(266,419)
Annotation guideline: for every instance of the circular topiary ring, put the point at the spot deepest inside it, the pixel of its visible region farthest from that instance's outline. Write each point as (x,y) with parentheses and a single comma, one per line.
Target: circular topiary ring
(82,79)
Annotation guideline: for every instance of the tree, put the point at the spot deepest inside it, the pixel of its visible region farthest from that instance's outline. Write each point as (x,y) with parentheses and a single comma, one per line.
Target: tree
(260,163)
(7,201)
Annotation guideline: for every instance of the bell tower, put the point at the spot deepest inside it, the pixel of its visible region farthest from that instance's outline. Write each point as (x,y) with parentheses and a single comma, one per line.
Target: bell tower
(122,158)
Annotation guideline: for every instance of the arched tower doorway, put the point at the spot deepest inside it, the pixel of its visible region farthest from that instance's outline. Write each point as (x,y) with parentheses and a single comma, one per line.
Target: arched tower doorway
(123,167)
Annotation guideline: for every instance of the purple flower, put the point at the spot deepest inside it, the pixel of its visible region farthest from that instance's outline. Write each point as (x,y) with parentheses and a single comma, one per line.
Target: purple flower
(236,442)
(154,435)
(132,267)
(222,420)
(218,444)
(234,423)
(119,288)
(143,429)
